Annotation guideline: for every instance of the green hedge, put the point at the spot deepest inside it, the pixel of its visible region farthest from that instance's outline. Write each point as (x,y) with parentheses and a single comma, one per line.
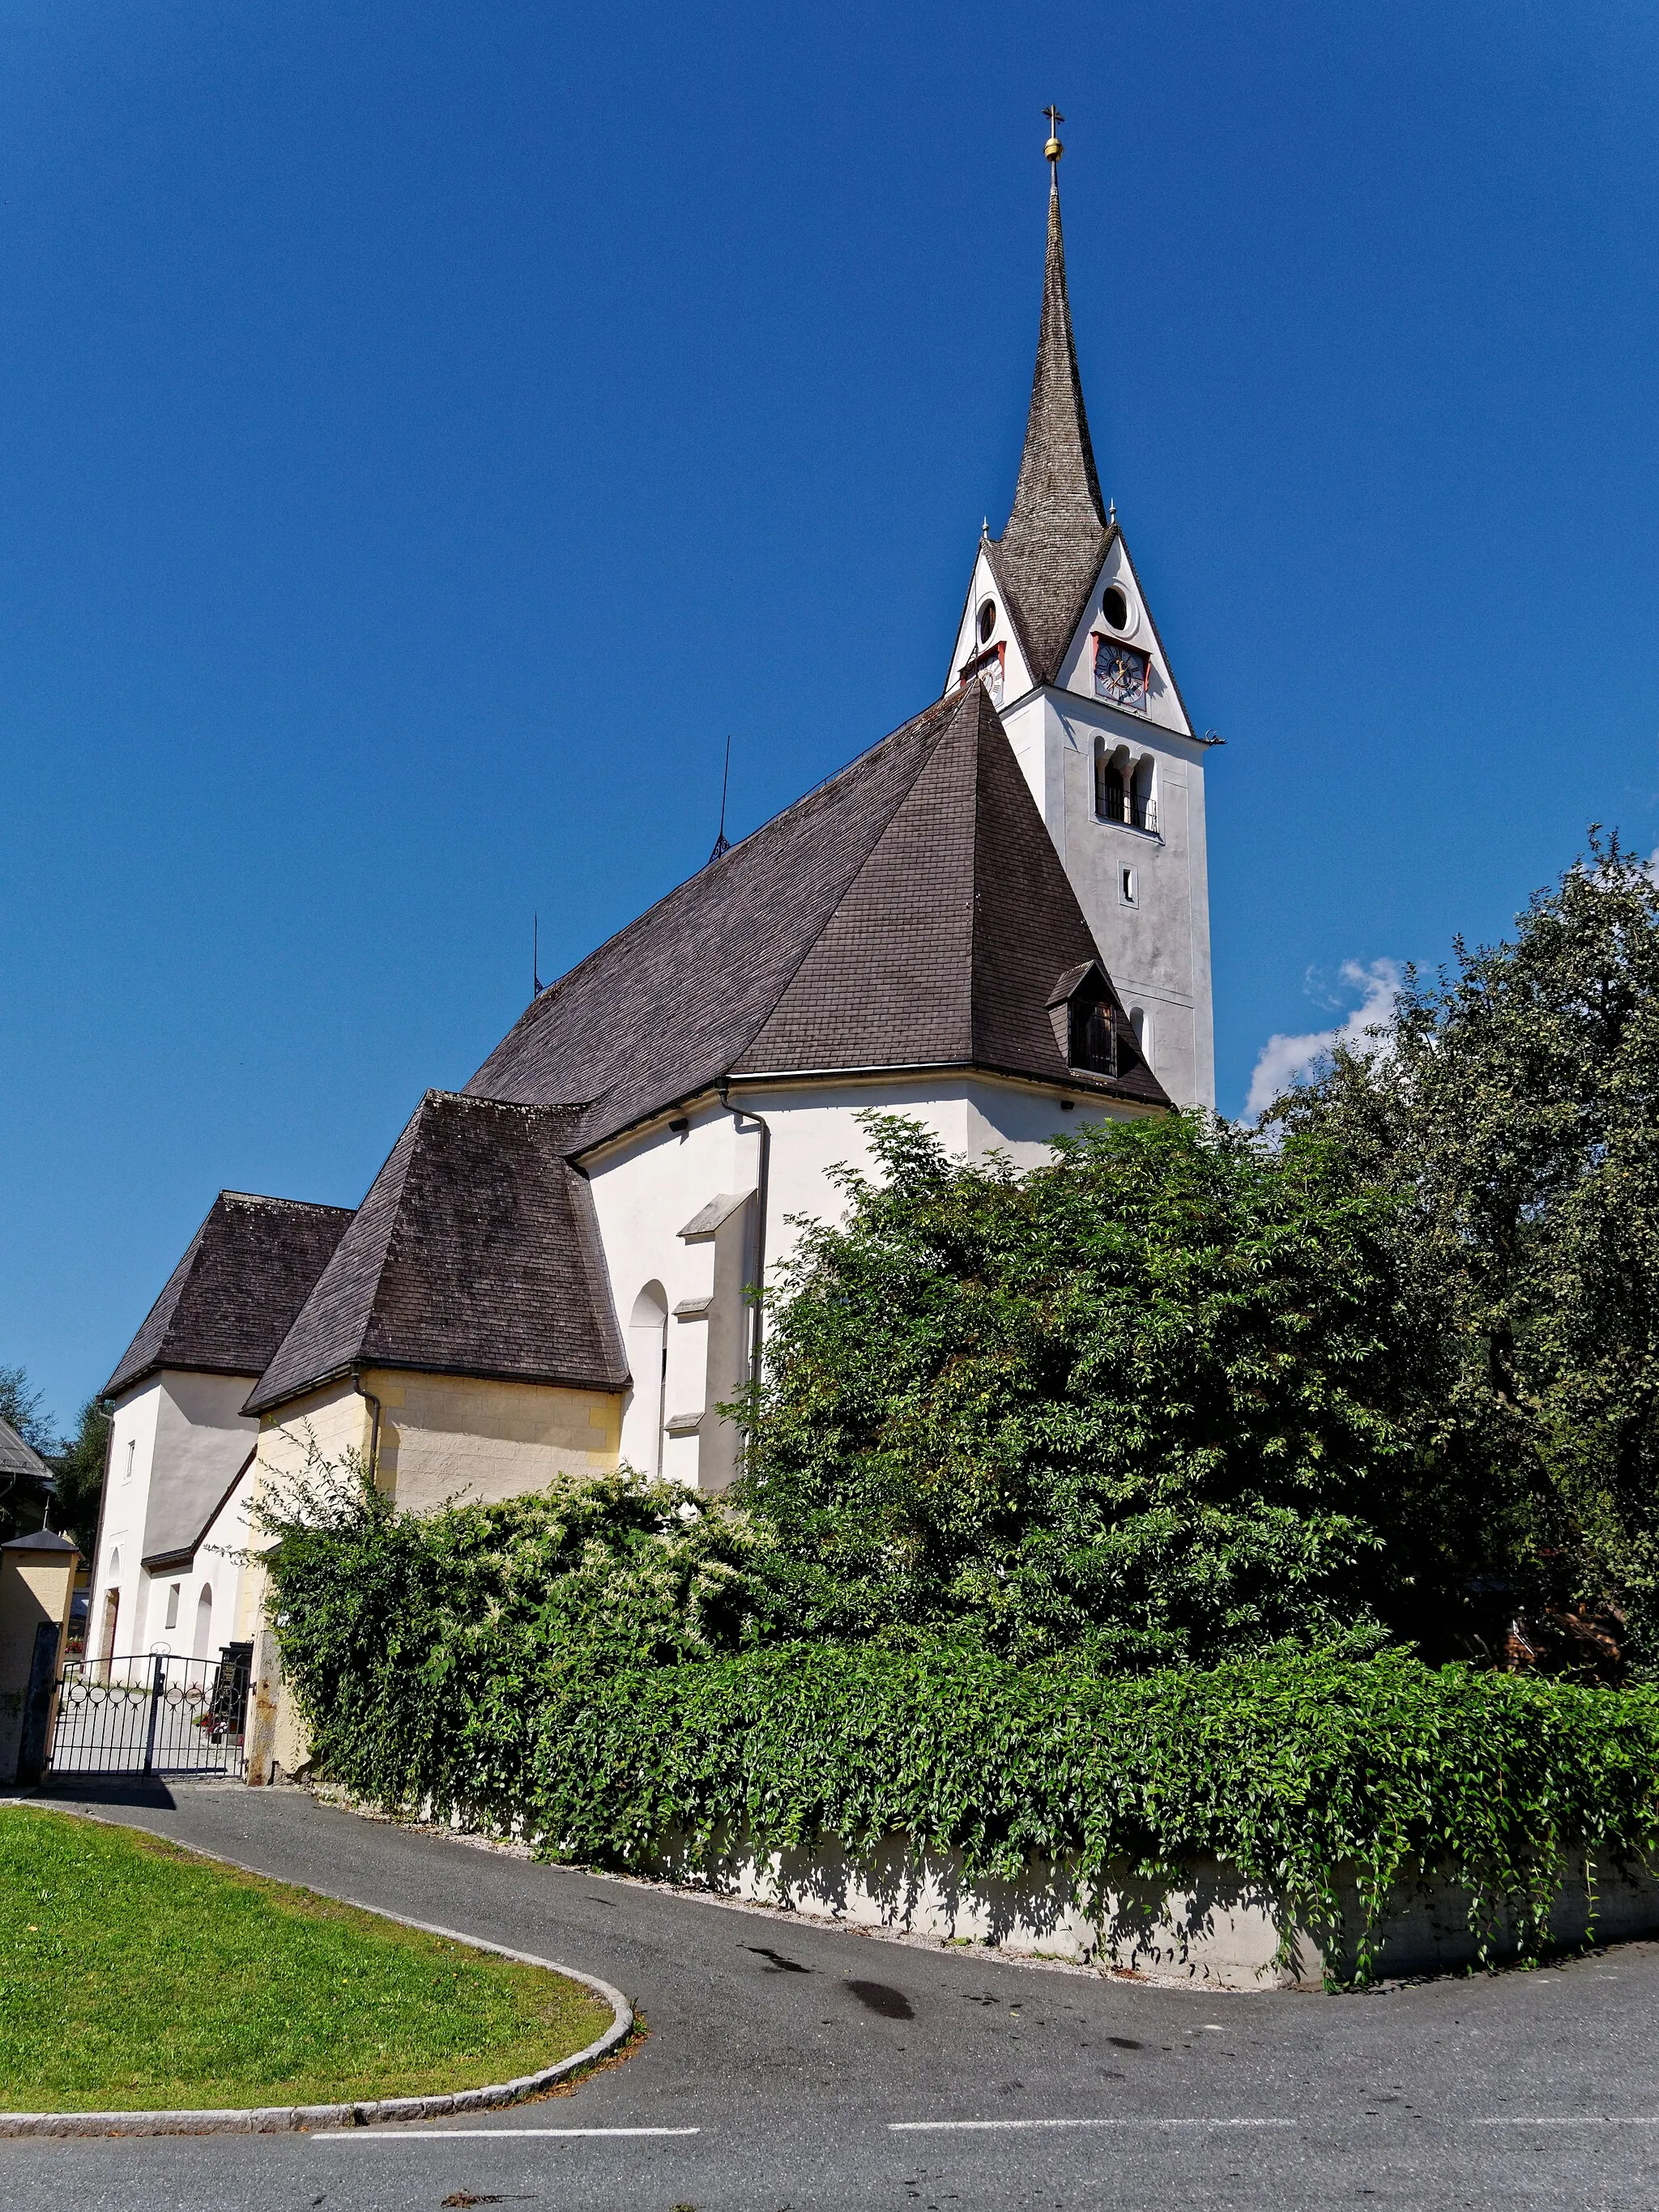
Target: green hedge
(592,1667)
(1295,1769)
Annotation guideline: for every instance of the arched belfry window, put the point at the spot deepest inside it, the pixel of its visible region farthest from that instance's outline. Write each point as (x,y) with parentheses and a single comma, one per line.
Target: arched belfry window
(1124,787)
(1110,795)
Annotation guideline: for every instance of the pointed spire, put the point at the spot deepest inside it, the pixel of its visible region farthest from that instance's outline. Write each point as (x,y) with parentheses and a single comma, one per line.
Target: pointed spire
(1055,537)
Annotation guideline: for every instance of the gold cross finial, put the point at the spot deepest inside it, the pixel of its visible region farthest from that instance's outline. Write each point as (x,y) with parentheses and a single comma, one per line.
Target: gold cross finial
(1053,149)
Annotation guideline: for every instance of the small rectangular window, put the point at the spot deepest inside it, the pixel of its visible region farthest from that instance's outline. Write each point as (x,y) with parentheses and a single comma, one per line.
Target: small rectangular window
(127,1471)
(172,1620)
(1126,883)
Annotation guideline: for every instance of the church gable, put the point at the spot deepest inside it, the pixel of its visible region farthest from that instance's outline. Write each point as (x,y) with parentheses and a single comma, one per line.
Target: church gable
(990,644)
(1116,656)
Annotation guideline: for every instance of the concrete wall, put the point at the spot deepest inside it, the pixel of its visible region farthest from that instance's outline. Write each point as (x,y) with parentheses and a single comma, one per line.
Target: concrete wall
(458,1436)
(1218,1929)
(1156,949)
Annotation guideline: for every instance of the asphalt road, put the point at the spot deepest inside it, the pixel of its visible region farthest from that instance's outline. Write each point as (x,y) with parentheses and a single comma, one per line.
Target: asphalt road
(790,2066)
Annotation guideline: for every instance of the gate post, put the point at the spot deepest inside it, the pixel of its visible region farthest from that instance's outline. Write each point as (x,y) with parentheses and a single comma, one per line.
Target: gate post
(157,1684)
(36,1741)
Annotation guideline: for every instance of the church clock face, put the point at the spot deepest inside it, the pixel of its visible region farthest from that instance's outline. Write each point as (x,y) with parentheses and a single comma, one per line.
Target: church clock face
(1121,674)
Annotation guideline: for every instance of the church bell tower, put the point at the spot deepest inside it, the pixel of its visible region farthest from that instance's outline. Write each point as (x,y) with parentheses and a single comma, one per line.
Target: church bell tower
(1058,628)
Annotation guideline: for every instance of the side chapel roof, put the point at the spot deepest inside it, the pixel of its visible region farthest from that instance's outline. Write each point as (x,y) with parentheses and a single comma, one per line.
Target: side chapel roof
(911,912)
(228,1304)
(475,1252)
(1058,534)
(19,1457)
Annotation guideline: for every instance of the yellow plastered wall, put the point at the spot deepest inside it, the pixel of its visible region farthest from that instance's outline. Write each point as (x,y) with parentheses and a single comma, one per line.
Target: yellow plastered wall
(335,1421)
(460,1436)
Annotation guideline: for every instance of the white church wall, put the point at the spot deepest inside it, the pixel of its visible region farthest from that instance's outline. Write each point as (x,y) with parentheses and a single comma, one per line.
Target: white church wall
(1012,679)
(1154,939)
(1076,673)
(116,1568)
(176,1444)
(647,1189)
(815,1129)
(198,1630)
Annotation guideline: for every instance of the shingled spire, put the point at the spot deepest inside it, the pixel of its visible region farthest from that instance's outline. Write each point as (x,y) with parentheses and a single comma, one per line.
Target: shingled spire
(1051,552)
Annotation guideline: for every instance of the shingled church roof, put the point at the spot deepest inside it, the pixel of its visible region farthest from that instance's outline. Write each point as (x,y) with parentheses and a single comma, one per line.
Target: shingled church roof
(910,913)
(1047,559)
(227,1305)
(475,1252)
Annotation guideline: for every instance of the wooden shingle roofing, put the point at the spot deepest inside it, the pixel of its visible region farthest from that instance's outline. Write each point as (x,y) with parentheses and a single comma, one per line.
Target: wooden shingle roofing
(1047,559)
(475,1252)
(911,913)
(227,1305)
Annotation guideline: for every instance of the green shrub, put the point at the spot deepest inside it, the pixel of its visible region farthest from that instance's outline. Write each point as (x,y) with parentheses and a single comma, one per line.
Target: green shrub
(1141,1402)
(423,1648)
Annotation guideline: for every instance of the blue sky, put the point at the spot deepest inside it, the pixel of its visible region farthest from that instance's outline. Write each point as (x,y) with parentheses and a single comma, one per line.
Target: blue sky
(427,431)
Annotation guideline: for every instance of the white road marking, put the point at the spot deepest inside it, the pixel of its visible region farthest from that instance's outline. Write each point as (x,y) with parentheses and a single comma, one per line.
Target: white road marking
(408,2131)
(1124,2120)
(1568,2120)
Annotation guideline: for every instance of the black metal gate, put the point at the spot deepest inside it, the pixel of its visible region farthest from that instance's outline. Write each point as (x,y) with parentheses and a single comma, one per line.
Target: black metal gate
(152,1712)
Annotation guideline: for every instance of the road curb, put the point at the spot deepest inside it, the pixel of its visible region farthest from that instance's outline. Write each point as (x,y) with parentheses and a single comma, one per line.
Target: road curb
(289,2119)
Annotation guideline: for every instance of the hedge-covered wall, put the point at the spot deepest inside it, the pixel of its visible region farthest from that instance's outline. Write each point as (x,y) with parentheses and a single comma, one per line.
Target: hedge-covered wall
(573,1667)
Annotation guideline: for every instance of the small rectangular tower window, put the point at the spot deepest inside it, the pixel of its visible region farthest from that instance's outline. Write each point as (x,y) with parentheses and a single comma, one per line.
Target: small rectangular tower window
(127,1471)
(172,1620)
(1126,886)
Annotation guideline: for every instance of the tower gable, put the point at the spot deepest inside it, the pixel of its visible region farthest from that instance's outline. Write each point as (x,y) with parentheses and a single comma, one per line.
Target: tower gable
(1116,655)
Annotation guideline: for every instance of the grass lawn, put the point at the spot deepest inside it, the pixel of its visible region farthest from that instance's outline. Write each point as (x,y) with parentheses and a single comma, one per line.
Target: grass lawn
(134,1975)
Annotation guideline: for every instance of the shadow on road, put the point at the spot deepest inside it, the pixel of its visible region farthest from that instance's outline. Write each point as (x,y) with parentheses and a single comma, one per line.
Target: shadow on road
(147,1790)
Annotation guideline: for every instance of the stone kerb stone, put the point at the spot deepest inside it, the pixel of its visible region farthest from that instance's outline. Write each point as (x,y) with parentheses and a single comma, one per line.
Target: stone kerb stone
(1218,1928)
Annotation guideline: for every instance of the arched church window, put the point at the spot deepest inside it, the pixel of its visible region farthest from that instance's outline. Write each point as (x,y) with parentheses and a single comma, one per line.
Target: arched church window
(987,621)
(648,1360)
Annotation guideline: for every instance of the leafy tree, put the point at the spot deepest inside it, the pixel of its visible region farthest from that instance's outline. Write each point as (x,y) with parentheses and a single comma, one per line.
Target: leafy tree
(22,1408)
(1146,1400)
(79,1465)
(1512,1107)
(22,1501)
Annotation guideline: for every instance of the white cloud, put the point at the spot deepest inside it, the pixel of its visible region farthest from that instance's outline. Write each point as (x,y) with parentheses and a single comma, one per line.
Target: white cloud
(1286,1059)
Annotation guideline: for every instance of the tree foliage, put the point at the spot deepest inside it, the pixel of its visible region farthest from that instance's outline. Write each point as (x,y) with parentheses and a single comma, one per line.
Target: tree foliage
(1145,1398)
(79,1464)
(1511,1107)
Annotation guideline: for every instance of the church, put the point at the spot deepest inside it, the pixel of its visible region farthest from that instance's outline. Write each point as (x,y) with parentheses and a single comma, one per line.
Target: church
(994,920)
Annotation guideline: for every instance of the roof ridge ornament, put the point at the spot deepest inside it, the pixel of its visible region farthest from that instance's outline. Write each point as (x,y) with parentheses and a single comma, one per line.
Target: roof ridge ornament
(1053,149)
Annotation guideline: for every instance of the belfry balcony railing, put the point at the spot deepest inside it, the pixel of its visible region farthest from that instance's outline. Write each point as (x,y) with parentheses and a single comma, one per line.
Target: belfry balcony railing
(1130,814)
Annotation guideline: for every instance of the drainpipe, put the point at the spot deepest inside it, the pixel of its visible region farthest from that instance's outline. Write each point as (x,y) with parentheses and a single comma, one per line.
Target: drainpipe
(745,1113)
(374,1424)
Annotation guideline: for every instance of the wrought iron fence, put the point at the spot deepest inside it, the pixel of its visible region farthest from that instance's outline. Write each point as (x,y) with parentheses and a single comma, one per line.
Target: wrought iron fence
(148,1713)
